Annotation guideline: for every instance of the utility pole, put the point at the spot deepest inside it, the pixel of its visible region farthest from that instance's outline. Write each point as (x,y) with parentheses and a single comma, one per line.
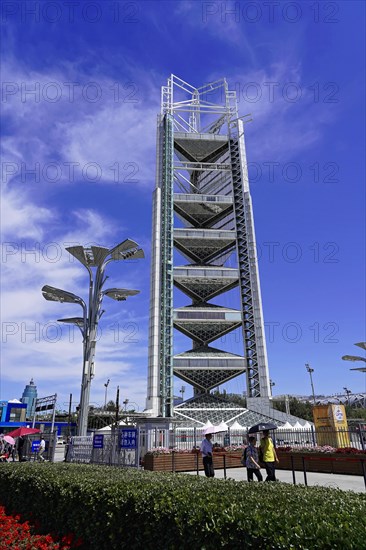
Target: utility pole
(310,371)
(117,406)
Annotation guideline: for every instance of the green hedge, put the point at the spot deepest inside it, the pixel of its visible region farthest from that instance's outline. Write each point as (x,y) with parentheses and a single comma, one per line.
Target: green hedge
(112,508)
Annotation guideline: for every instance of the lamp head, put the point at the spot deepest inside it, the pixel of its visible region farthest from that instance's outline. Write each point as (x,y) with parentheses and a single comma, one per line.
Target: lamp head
(58,295)
(125,250)
(361,345)
(120,294)
(353,358)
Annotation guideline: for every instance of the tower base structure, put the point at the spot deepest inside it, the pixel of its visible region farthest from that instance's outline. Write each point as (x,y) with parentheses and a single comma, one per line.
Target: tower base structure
(196,412)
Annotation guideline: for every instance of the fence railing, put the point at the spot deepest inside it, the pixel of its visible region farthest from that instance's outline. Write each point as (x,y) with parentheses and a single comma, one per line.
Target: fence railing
(30,447)
(81,449)
(189,438)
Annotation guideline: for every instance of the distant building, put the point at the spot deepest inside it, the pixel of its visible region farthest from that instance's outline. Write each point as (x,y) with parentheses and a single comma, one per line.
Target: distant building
(355,400)
(12,411)
(29,398)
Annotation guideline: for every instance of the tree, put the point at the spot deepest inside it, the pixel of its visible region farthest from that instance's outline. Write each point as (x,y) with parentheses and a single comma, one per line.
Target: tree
(111,406)
(302,409)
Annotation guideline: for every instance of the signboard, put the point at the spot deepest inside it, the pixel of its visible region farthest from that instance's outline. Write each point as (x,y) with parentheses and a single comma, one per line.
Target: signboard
(339,417)
(35,446)
(128,438)
(98,441)
(331,425)
(321,417)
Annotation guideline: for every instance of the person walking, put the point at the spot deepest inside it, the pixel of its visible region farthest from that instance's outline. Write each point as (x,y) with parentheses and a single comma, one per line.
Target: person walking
(269,455)
(252,462)
(20,447)
(41,449)
(206,450)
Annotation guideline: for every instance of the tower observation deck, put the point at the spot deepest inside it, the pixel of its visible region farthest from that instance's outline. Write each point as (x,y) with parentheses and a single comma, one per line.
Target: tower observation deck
(203,247)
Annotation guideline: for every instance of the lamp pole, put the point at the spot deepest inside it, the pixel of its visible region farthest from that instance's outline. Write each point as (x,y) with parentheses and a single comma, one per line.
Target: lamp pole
(106,390)
(348,392)
(310,371)
(95,259)
(182,390)
(287,404)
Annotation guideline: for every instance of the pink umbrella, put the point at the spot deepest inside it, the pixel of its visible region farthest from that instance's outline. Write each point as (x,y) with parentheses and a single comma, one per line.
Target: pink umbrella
(9,439)
(215,430)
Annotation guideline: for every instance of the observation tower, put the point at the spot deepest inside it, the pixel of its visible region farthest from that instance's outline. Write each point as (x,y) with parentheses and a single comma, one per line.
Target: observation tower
(204,277)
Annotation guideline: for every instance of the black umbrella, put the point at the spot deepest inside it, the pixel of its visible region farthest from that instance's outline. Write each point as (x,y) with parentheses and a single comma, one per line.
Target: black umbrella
(262,427)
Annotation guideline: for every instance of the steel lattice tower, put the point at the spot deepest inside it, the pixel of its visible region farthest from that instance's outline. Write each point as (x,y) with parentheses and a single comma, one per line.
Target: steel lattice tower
(202,211)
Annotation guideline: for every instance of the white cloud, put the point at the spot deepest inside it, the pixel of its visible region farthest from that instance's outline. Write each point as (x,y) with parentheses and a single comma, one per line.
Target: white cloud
(286,119)
(33,343)
(22,220)
(78,129)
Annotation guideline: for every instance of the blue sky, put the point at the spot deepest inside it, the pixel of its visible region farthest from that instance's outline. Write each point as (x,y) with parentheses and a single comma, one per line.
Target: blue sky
(80,94)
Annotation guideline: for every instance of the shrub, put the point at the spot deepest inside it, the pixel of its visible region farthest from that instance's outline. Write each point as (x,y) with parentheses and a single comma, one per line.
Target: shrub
(114,508)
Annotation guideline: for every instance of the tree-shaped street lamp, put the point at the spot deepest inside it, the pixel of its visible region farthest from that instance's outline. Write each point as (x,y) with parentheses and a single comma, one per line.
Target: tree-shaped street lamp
(95,259)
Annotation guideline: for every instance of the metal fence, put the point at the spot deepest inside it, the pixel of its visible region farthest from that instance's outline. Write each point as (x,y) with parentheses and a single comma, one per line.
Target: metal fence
(81,449)
(189,438)
(31,445)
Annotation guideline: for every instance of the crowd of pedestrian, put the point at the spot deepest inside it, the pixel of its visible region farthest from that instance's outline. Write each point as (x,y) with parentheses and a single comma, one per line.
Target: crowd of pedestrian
(20,448)
(253,457)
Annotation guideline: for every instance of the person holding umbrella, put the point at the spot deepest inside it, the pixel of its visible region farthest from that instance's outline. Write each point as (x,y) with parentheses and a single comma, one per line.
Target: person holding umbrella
(267,451)
(269,456)
(206,450)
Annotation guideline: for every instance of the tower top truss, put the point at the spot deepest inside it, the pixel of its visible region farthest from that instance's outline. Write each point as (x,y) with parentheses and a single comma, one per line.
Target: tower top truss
(198,110)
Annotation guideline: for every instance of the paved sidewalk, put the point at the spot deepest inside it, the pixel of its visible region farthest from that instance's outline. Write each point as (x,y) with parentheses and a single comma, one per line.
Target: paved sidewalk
(335,481)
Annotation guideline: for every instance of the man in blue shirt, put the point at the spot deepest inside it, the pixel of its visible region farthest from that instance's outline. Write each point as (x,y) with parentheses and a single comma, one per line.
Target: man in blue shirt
(206,450)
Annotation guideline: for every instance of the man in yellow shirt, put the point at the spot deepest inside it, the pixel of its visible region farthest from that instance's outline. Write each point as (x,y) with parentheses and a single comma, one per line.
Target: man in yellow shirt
(269,456)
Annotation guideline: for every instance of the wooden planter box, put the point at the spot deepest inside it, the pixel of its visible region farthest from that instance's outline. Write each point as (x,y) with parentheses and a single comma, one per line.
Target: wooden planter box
(187,462)
(178,462)
(328,463)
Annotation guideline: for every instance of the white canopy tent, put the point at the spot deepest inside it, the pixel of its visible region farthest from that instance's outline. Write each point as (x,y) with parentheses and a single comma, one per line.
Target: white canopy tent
(222,427)
(307,426)
(286,426)
(237,426)
(108,429)
(208,424)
